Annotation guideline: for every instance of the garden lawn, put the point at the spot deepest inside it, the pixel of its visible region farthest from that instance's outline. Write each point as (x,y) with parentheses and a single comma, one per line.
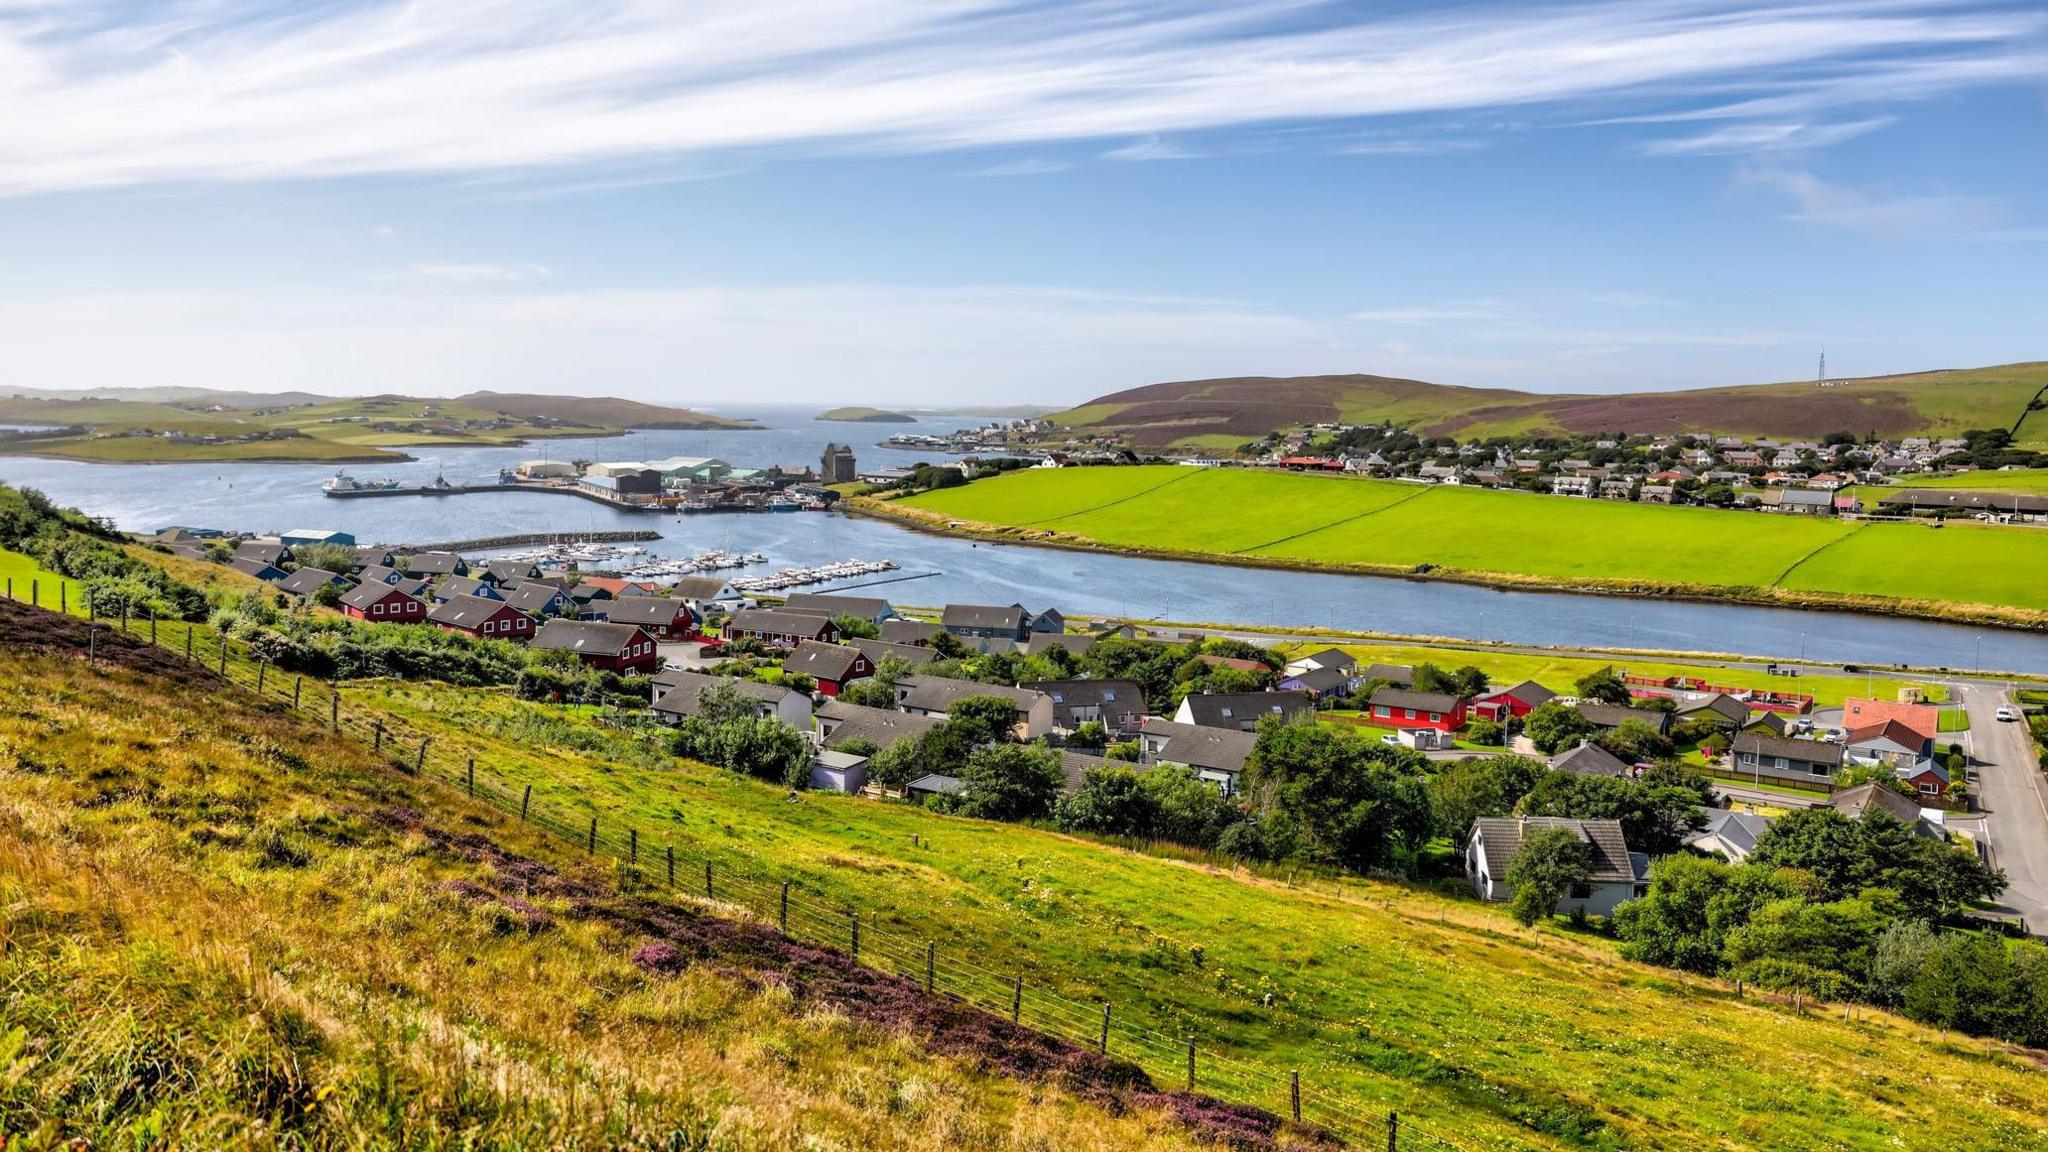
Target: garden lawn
(1404,1001)
(1966,563)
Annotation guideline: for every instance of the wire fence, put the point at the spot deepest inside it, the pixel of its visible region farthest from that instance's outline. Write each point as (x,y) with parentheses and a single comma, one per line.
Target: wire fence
(726,880)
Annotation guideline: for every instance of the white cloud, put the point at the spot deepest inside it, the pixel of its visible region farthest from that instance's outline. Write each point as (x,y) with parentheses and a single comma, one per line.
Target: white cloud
(1816,201)
(100,94)
(1736,139)
(468,275)
(1152,148)
(1396,146)
(1430,314)
(1026,167)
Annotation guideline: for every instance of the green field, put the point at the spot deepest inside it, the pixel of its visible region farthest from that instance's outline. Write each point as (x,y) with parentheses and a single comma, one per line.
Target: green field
(1406,1001)
(1519,537)
(2025,481)
(21,577)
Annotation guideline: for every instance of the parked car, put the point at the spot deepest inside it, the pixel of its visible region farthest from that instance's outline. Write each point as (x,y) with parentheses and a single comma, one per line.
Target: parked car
(1390,738)
(2005,713)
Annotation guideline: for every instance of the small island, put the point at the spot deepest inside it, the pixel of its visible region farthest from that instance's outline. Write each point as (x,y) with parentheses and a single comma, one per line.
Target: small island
(858,415)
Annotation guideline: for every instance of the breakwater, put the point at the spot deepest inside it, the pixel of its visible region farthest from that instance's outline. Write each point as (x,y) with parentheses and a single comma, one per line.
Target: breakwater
(522,539)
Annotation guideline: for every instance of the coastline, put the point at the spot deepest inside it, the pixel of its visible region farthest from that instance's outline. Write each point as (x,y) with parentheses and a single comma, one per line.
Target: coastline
(1985,615)
(393,455)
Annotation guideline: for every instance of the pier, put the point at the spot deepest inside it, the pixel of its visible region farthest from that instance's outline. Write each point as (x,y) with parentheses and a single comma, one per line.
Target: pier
(522,539)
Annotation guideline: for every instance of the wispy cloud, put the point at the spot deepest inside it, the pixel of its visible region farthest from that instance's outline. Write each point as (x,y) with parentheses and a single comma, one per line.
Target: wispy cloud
(467,275)
(1025,167)
(99,93)
(1412,316)
(1411,146)
(1152,148)
(1953,217)
(1738,139)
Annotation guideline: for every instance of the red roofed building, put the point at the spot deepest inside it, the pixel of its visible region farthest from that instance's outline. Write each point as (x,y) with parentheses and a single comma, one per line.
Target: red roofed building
(1923,719)
(382,604)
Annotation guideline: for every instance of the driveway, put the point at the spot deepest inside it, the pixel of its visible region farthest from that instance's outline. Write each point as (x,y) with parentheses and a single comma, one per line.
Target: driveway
(2008,789)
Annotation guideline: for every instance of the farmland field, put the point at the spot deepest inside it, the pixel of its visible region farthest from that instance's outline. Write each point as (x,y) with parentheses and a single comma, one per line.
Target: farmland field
(1366,525)
(2026,481)
(1407,1001)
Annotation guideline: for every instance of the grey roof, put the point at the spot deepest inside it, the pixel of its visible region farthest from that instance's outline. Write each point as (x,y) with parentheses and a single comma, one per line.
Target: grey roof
(588,591)
(1077,643)
(1219,749)
(1074,768)
(1116,699)
(1235,709)
(418,587)
(1808,497)
(1721,704)
(365,594)
(1739,830)
(1773,722)
(940,693)
(433,564)
(910,631)
(1322,679)
(504,570)
(380,574)
(1503,838)
(1528,692)
(266,551)
(822,661)
(1419,701)
(1401,675)
(307,581)
(531,597)
(678,690)
(1807,751)
(586,637)
(369,554)
(467,611)
(1612,715)
(1328,658)
(1004,618)
(880,650)
(645,610)
(777,623)
(699,587)
(1875,797)
(1589,760)
(937,784)
(878,726)
(466,586)
(260,569)
(830,604)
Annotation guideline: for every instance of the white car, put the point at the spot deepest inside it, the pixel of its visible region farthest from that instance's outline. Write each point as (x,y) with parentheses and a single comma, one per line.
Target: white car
(1390,738)
(2006,714)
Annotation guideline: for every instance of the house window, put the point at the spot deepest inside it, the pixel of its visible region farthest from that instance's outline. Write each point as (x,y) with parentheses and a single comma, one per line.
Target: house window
(1818,770)
(1436,717)
(1407,713)
(1929,788)
(490,626)
(1382,711)
(1780,763)
(377,608)
(1582,892)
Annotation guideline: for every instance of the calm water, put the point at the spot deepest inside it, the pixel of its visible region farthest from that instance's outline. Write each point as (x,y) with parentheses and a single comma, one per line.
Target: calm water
(273,497)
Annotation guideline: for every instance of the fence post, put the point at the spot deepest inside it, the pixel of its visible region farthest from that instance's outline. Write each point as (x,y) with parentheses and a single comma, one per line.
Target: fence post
(633,849)
(10,587)
(1017,1001)
(222,671)
(855,916)
(1102,1046)
(525,800)
(298,682)
(671,865)
(785,907)
(188,643)
(334,708)
(470,775)
(591,847)
(931,959)
(35,593)
(63,597)
(1294,1093)
(1191,1063)
(92,646)
(420,765)
(152,624)
(1393,1132)
(260,666)
(377,745)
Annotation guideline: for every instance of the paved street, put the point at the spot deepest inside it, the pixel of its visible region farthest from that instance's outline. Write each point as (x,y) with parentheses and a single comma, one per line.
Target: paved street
(2015,812)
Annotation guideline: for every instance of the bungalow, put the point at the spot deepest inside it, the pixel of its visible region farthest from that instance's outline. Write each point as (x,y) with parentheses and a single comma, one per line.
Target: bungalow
(1804,502)
(880,650)
(263,552)
(1117,705)
(678,694)
(1617,874)
(1928,778)
(1656,494)
(382,604)
(1605,717)
(371,556)
(455,586)
(1073,643)
(1241,710)
(1720,709)
(1923,719)
(1760,755)
(911,633)
(1572,485)
(833,666)
(1075,766)
(1013,622)
(664,617)
(1319,683)
(427,564)
(499,573)
(1890,742)
(481,617)
(417,588)
(872,609)
(260,569)
(781,629)
(620,648)
(1729,833)
(839,723)
(307,581)
(380,574)
(1590,759)
(707,594)
(1515,702)
(537,598)
(1217,755)
(1402,708)
(1327,658)
(936,695)
(1858,802)
(1399,675)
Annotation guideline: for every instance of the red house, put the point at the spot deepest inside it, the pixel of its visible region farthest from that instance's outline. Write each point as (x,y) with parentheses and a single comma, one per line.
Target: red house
(1401,708)
(620,648)
(664,617)
(382,604)
(831,665)
(1515,702)
(483,618)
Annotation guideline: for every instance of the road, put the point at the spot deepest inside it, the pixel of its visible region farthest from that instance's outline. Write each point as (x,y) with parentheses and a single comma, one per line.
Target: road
(2009,792)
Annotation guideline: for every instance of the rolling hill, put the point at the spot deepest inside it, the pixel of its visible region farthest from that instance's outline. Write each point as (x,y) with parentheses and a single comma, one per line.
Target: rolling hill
(1222,413)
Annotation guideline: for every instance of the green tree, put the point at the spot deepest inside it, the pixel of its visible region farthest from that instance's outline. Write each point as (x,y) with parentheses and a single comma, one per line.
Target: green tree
(1603,685)
(1009,782)
(327,557)
(855,627)
(1655,818)
(1466,790)
(1112,802)
(994,718)
(1356,803)
(1551,863)
(1089,734)
(1635,740)
(1553,727)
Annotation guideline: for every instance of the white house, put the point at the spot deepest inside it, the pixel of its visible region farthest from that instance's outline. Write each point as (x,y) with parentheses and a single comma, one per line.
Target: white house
(1618,874)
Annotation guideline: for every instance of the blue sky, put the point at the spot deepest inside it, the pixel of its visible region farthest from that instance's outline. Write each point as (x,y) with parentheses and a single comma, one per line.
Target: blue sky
(913,203)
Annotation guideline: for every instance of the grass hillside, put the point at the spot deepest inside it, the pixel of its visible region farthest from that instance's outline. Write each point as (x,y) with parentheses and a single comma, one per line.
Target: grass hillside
(1217,413)
(223,929)
(1502,537)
